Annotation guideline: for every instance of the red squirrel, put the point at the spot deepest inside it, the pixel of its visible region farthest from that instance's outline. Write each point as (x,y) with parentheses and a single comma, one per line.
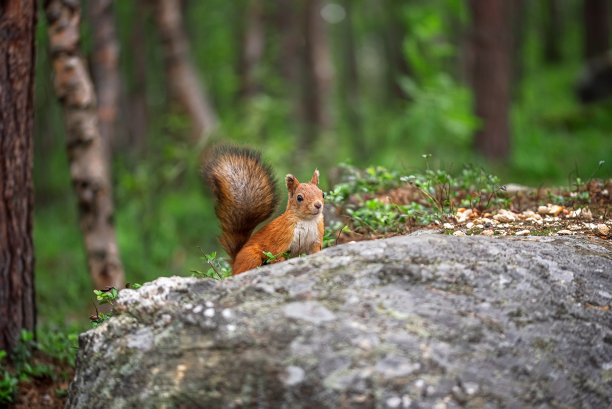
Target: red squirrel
(245,195)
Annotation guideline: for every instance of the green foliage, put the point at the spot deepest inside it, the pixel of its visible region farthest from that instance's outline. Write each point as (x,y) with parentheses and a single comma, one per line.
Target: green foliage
(24,362)
(276,257)
(332,231)
(219,268)
(163,214)
(374,179)
(441,193)
(8,386)
(106,296)
(59,343)
(376,216)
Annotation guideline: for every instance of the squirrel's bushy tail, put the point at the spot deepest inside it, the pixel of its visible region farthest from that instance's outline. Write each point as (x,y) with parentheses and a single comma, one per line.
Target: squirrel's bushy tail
(245,193)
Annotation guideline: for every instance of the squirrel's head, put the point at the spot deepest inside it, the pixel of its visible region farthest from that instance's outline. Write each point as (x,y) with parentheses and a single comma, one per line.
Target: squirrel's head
(306,199)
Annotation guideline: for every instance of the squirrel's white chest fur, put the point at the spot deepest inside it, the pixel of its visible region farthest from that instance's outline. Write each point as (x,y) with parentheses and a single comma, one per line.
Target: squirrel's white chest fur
(305,235)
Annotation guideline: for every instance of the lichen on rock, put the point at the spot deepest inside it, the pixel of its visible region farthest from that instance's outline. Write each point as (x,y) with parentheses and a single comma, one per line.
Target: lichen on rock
(414,321)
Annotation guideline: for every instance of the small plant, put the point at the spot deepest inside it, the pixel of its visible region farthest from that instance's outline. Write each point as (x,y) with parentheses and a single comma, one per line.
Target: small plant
(414,200)
(276,257)
(332,232)
(377,216)
(8,386)
(107,296)
(25,361)
(8,381)
(372,180)
(219,269)
(104,296)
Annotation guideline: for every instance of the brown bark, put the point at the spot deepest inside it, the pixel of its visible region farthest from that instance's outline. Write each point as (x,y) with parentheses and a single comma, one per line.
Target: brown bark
(104,67)
(17,53)
(88,167)
(491,76)
(318,73)
(253,42)
(185,85)
(596,27)
(518,12)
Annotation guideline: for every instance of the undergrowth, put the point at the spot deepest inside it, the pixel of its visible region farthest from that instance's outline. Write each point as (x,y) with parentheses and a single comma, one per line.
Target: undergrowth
(379,202)
(36,358)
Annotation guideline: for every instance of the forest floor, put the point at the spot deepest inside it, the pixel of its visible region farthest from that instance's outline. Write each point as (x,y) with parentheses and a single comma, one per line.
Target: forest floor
(518,211)
(524,212)
(47,390)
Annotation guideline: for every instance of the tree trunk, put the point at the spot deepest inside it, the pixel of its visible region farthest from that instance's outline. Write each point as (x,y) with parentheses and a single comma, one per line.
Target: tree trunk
(136,100)
(288,30)
(519,8)
(17,53)
(596,27)
(104,67)
(349,82)
(88,165)
(393,40)
(491,76)
(253,42)
(289,58)
(318,72)
(185,85)
(552,32)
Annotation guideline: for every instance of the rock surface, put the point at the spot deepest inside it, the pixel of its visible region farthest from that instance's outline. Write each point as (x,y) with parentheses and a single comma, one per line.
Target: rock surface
(421,321)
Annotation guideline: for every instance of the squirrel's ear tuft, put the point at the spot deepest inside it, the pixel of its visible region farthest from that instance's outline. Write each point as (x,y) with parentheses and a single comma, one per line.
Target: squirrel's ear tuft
(315,178)
(292,183)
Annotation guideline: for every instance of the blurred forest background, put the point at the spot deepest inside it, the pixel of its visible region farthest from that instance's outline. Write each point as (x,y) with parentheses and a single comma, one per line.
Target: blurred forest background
(311,83)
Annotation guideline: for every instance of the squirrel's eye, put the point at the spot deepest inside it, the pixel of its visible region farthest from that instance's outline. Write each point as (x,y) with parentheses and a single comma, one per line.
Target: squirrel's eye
(323,195)
(300,198)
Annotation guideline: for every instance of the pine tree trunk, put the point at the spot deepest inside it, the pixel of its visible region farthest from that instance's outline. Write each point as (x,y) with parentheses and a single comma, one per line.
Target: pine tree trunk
(596,27)
(17,53)
(185,85)
(491,76)
(88,166)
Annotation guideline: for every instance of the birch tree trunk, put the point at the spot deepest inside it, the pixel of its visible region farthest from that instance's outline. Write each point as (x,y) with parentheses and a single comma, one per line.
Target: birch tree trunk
(185,85)
(104,68)
(17,53)
(88,166)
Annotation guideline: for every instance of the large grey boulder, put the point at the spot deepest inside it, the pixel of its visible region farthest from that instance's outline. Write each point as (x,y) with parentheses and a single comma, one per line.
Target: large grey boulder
(425,321)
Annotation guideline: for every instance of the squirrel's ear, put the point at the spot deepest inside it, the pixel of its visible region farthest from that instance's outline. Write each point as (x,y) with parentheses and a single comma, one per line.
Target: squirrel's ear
(315,178)
(292,183)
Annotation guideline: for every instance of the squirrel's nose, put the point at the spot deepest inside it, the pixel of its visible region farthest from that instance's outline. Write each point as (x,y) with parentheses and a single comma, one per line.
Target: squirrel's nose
(318,204)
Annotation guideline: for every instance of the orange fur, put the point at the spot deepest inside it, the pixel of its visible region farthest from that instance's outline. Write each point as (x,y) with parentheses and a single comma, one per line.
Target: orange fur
(244,193)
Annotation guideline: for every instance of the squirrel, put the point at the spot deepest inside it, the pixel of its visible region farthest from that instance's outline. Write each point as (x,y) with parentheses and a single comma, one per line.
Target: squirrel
(245,195)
